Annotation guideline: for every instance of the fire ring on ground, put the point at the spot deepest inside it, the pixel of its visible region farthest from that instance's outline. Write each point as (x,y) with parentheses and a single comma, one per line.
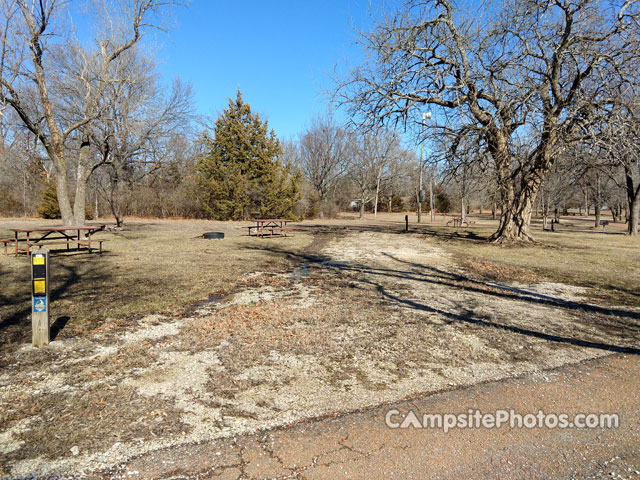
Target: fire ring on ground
(213,235)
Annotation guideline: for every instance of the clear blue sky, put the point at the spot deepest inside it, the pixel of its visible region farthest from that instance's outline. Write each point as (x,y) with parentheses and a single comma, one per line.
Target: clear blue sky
(280,53)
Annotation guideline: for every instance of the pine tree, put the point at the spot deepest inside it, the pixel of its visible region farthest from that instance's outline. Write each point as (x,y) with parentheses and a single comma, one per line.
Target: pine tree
(49,207)
(239,173)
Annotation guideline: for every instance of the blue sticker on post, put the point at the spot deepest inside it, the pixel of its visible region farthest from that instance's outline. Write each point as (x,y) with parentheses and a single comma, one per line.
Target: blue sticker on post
(39,304)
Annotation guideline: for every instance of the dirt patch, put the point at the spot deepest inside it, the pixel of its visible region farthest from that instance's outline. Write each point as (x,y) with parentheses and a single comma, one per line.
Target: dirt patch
(354,321)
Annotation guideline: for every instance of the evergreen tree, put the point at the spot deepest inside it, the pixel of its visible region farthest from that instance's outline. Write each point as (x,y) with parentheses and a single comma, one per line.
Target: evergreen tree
(239,173)
(49,207)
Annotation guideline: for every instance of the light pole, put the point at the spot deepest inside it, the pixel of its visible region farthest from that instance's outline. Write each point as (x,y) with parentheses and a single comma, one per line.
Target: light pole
(421,196)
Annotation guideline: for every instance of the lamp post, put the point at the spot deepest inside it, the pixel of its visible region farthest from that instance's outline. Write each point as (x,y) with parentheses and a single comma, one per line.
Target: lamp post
(421,196)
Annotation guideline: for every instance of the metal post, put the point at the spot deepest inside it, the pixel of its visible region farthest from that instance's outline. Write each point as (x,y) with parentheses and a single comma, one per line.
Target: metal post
(431,197)
(421,195)
(420,183)
(40,297)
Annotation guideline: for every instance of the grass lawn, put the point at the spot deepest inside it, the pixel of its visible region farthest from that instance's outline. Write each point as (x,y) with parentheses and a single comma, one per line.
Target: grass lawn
(151,266)
(160,266)
(607,263)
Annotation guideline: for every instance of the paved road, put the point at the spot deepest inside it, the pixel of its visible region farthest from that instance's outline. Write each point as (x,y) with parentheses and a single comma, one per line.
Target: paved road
(361,446)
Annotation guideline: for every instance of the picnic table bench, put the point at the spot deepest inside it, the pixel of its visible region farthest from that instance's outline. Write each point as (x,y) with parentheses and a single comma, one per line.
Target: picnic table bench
(457,222)
(270,227)
(80,236)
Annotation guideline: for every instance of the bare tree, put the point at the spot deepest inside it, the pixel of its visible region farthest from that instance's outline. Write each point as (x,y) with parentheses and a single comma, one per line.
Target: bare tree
(620,143)
(57,85)
(138,129)
(323,150)
(523,76)
(372,153)
(22,168)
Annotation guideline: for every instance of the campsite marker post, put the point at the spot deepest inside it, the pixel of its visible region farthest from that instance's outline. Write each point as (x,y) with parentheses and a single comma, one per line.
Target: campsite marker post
(40,297)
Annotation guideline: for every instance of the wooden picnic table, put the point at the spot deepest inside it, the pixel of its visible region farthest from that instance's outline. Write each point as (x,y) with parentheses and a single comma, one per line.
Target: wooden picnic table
(457,222)
(80,235)
(270,226)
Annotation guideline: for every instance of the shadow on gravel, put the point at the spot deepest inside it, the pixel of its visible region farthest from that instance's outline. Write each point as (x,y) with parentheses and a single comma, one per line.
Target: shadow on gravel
(626,324)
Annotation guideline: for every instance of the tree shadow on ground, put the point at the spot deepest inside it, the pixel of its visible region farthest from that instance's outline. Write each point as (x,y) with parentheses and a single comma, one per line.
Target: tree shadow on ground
(436,231)
(366,276)
(69,275)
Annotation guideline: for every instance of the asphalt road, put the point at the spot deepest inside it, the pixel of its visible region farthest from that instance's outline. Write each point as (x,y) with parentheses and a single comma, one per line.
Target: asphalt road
(361,445)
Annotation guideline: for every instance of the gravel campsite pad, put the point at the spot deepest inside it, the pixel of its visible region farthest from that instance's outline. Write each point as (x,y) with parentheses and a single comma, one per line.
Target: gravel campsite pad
(360,319)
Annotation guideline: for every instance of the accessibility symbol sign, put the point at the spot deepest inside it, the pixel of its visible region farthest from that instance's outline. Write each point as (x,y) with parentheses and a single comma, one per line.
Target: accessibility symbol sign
(39,304)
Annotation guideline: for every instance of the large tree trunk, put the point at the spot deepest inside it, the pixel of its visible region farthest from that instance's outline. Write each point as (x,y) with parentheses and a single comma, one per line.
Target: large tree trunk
(516,207)
(66,212)
(82,175)
(633,197)
(515,220)
(634,217)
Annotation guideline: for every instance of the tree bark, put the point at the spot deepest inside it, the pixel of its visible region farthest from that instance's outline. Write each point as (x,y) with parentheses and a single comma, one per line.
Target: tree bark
(463,212)
(375,205)
(634,217)
(633,197)
(82,175)
(515,219)
(597,204)
(586,203)
(516,207)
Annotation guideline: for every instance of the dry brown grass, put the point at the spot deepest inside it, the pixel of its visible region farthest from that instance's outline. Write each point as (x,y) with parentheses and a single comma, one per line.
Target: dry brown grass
(607,263)
(152,266)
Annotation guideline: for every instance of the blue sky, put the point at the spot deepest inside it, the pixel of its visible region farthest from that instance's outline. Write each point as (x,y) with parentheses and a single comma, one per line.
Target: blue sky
(281,54)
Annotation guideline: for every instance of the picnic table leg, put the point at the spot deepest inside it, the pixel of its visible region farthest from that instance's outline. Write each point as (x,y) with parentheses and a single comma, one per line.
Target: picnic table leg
(16,244)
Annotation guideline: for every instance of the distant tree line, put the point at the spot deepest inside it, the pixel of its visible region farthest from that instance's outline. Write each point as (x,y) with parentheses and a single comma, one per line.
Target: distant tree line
(519,83)
(535,111)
